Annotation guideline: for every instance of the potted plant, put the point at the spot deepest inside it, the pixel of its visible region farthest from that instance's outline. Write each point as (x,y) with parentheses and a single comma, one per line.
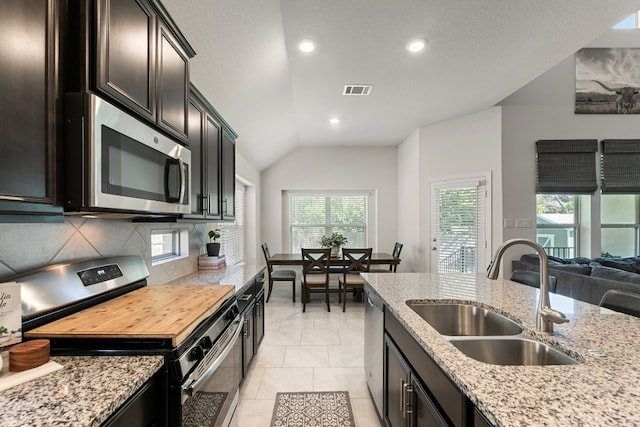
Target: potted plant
(335,241)
(213,248)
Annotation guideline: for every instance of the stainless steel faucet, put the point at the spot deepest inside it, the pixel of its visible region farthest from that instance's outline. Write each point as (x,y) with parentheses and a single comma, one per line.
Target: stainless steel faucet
(545,315)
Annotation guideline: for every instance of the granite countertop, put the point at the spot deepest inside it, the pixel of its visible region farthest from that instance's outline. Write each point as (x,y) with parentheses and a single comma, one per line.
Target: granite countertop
(599,391)
(240,276)
(85,392)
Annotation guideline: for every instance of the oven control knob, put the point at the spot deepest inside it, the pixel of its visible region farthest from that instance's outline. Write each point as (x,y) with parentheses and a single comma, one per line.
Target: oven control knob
(196,353)
(232,313)
(206,343)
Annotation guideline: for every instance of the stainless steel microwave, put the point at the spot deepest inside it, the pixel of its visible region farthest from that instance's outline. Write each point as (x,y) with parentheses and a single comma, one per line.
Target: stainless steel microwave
(115,163)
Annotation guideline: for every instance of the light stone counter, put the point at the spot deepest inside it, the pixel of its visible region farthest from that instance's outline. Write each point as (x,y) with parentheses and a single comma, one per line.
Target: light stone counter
(601,391)
(85,392)
(240,276)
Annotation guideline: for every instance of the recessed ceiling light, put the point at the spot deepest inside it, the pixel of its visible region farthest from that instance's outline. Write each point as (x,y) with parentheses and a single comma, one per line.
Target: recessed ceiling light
(306,46)
(334,120)
(417,45)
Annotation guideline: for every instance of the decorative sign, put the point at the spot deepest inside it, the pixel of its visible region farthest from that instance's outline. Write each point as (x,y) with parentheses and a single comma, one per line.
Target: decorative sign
(608,81)
(10,314)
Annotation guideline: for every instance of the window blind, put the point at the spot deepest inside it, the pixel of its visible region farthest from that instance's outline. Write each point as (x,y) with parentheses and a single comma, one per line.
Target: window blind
(312,216)
(459,226)
(232,239)
(566,166)
(620,166)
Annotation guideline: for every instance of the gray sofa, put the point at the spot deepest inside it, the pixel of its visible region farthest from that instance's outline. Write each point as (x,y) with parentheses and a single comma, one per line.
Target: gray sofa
(587,279)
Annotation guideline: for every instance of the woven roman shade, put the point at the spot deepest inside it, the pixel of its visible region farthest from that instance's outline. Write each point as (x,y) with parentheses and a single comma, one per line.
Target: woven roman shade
(566,166)
(620,162)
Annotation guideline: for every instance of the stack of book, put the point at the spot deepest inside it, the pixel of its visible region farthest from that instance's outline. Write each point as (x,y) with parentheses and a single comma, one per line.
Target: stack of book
(211,262)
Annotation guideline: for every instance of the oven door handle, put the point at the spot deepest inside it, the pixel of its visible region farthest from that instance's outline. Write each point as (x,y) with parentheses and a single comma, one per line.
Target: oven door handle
(194,386)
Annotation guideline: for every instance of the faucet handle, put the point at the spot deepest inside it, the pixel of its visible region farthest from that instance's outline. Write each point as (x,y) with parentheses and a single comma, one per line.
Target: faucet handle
(552,315)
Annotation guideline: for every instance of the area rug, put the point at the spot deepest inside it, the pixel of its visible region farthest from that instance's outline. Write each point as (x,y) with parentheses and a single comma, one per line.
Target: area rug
(313,409)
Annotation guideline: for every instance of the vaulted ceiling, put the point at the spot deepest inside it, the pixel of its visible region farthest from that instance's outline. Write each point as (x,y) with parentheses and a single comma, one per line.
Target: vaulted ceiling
(277,98)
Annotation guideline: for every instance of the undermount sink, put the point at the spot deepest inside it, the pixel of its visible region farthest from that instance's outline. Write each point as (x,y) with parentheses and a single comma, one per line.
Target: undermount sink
(465,319)
(512,351)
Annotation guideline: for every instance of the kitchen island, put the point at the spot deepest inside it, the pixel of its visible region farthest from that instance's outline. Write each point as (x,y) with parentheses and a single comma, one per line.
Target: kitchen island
(84,393)
(599,391)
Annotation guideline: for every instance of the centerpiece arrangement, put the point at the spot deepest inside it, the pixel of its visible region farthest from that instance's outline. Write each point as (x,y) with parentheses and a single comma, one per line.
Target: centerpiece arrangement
(335,242)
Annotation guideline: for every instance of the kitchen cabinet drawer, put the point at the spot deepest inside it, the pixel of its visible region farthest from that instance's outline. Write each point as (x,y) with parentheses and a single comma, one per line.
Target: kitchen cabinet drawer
(29,115)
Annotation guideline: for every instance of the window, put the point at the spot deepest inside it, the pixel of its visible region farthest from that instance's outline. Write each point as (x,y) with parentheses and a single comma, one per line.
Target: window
(313,215)
(620,229)
(167,245)
(232,239)
(630,22)
(557,224)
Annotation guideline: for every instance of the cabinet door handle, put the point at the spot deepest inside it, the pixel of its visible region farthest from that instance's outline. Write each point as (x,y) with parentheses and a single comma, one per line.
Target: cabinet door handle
(205,206)
(209,203)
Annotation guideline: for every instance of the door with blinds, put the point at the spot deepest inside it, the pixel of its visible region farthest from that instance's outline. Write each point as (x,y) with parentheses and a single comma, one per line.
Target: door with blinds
(458,229)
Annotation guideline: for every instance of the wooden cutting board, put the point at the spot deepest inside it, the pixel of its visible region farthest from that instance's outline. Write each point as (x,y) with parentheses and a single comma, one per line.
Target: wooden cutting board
(158,311)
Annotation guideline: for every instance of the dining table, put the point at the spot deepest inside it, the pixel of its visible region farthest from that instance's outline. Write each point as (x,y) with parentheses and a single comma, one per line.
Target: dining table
(337,262)
(377,258)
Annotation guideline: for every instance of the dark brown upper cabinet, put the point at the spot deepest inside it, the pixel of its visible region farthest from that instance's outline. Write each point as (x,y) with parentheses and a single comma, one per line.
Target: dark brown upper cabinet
(212,144)
(228,175)
(141,59)
(125,63)
(30,88)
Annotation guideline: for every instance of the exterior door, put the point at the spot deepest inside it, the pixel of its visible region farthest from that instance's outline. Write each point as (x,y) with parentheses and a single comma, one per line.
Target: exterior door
(459,225)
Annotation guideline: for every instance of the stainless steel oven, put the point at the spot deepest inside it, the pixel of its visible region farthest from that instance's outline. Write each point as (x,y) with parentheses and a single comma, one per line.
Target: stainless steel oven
(210,392)
(116,163)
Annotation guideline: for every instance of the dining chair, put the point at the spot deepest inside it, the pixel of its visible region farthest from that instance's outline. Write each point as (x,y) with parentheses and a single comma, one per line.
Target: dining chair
(315,273)
(622,301)
(278,275)
(397,248)
(355,261)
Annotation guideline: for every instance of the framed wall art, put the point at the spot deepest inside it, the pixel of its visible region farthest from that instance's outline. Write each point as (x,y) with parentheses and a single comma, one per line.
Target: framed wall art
(608,81)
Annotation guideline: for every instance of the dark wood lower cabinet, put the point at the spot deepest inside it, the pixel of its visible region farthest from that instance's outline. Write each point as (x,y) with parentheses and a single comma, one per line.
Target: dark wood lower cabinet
(247,341)
(146,408)
(253,328)
(416,391)
(408,404)
(258,318)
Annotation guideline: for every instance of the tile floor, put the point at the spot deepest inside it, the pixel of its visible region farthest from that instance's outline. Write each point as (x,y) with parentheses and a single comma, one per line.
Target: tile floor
(311,351)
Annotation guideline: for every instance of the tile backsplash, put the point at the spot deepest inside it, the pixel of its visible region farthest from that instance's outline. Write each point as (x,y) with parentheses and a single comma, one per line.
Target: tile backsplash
(25,247)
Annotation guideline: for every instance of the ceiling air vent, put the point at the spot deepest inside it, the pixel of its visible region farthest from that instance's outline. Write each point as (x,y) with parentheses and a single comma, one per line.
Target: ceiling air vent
(357,90)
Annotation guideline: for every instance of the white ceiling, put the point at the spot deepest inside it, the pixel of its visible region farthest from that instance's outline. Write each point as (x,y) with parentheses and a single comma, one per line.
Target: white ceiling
(276,98)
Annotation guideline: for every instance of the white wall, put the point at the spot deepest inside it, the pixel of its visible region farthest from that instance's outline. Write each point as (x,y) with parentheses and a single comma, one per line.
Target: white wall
(332,168)
(544,109)
(408,206)
(461,147)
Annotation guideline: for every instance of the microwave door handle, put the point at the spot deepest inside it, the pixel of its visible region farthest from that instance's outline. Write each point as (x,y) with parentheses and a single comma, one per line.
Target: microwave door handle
(183,184)
(183,181)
